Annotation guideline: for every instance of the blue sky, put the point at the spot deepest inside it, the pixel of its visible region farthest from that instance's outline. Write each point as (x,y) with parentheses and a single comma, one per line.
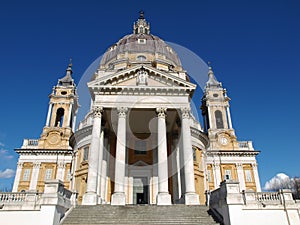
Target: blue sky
(254,48)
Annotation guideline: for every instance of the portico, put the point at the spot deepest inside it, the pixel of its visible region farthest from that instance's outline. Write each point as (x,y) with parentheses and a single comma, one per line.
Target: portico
(142,151)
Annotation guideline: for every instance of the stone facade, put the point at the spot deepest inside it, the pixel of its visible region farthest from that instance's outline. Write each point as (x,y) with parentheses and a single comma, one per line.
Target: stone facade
(139,144)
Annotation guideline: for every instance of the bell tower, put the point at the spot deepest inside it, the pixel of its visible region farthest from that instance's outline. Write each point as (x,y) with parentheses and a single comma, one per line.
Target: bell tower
(216,114)
(61,117)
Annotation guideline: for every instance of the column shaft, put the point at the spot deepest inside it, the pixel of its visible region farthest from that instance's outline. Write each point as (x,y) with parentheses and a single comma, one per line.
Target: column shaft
(90,197)
(60,170)
(100,166)
(229,117)
(34,176)
(217,174)
(163,197)
(17,177)
(256,177)
(191,198)
(49,114)
(241,178)
(118,198)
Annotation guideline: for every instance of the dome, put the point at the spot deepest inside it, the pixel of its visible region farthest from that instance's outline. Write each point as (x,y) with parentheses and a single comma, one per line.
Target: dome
(140,47)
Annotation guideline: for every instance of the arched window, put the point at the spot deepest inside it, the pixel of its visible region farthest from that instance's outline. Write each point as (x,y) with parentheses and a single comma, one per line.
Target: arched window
(219,119)
(141,58)
(59,117)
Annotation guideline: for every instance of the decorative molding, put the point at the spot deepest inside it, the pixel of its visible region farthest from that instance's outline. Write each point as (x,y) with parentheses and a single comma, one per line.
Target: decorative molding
(228,153)
(122,111)
(97,111)
(201,136)
(36,165)
(20,165)
(239,166)
(142,77)
(161,112)
(44,151)
(61,164)
(216,166)
(185,112)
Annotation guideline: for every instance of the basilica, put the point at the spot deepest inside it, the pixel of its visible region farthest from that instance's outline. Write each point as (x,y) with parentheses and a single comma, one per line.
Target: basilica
(139,143)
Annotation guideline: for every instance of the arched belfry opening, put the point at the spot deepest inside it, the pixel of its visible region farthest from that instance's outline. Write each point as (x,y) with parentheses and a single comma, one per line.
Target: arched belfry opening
(59,117)
(219,119)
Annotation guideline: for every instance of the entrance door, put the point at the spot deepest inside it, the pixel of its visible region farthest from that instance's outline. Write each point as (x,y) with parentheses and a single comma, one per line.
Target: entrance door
(140,190)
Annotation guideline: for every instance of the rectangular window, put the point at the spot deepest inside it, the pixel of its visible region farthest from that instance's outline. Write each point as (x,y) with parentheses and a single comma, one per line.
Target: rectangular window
(142,41)
(227,175)
(48,174)
(26,175)
(85,153)
(140,147)
(209,176)
(248,175)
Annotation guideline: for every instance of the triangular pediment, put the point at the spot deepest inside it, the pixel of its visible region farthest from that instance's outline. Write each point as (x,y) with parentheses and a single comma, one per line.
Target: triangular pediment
(141,77)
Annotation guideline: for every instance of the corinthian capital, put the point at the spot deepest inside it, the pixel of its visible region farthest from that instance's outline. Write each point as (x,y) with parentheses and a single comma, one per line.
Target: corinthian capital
(161,112)
(97,111)
(185,112)
(122,111)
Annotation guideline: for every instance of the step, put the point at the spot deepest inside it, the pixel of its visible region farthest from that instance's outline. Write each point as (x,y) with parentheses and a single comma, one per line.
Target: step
(137,214)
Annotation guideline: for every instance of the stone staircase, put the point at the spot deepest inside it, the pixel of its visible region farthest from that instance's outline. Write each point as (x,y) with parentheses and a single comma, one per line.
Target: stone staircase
(139,214)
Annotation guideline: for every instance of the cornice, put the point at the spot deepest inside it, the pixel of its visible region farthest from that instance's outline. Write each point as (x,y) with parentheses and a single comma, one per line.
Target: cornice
(232,153)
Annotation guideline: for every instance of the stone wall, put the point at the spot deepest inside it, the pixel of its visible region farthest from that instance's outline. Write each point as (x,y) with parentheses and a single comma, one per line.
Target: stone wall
(35,208)
(233,207)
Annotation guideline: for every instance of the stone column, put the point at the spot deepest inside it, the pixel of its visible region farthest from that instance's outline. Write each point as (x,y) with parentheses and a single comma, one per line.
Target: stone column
(217,174)
(163,196)
(104,171)
(61,165)
(229,117)
(90,197)
(49,114)
(191,198)
(74,123)
(118,197)
(256,177)
(17,177)
(100,167)
(210,117)
(240,174)
(34,175)
(69,116)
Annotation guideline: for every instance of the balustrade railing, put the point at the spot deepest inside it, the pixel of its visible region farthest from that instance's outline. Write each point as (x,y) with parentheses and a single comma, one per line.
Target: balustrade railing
(30,143)
(268,197)
(12,197)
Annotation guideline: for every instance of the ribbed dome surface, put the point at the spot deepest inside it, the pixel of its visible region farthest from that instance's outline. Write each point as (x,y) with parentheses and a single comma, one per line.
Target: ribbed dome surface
(140,43)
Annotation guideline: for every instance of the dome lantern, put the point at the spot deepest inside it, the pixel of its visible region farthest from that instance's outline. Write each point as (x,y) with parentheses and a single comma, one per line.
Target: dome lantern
(141,26)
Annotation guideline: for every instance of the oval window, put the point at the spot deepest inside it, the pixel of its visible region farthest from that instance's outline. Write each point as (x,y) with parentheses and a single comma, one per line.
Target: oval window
(63,92)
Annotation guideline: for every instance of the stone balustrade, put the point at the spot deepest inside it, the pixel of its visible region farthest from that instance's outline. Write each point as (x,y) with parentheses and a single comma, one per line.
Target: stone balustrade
(268,197)
(30,143)
(268,207)
(245,145)
(12,197)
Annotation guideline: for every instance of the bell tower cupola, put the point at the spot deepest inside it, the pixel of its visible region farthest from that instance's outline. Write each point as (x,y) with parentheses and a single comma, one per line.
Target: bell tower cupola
(215,107)
(61,117)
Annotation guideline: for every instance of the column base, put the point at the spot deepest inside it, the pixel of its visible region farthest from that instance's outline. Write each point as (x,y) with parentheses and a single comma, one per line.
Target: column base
(118,198)
(163,199)
(191,199)
(90,199)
